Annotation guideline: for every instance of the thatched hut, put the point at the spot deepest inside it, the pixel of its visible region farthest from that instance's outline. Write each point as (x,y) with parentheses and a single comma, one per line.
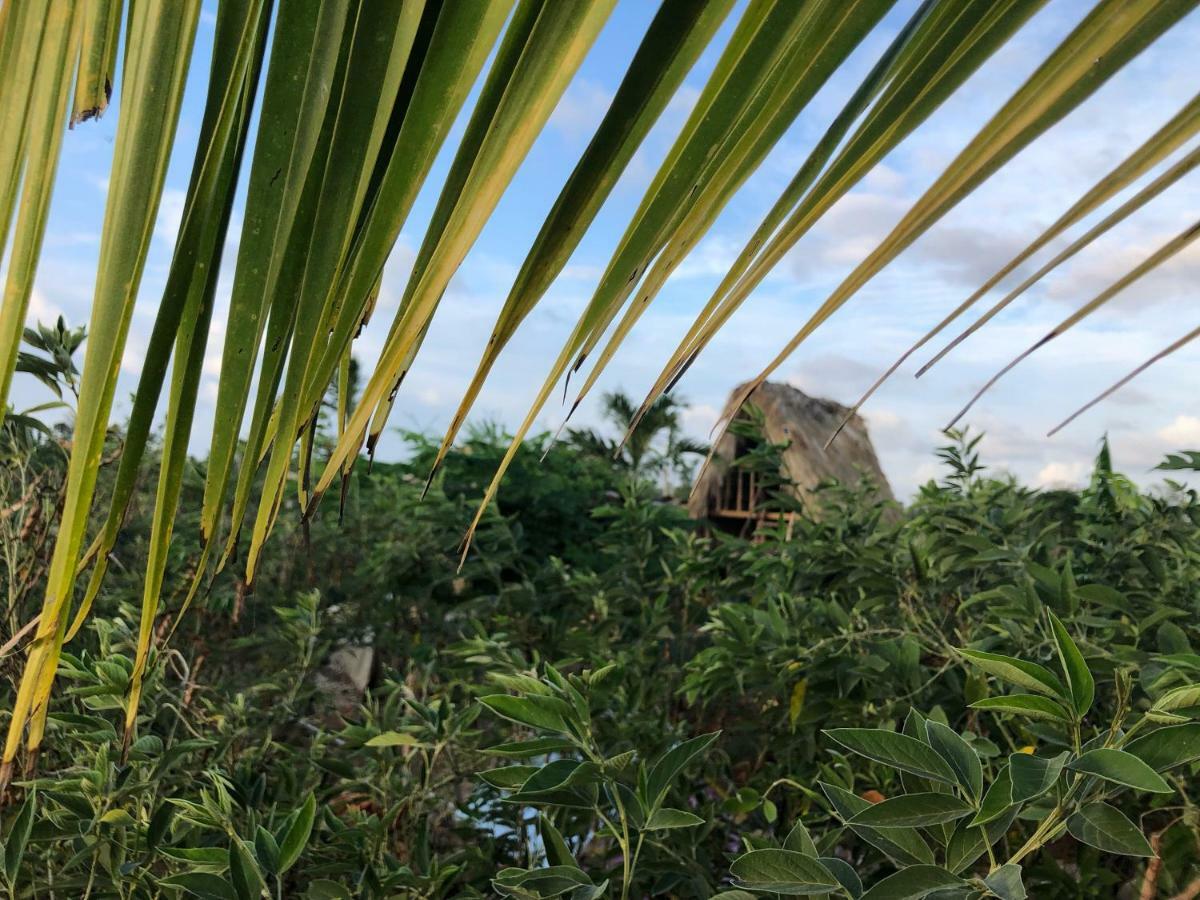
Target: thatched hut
(730,497)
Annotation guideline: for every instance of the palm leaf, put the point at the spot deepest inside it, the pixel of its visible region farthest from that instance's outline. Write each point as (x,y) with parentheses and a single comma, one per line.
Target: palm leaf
(541,49)
(1182,126)
(376,54)
(97,59)
(160,40)
(943,45)
(1186,164)
(1151,262)
(38,138)
(680,31)
(191,285)
(832,31)
(1113,33)
(1108,392)
(193,275)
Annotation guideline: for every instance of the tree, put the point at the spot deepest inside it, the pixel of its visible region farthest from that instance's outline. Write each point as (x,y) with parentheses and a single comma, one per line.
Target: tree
(655,448)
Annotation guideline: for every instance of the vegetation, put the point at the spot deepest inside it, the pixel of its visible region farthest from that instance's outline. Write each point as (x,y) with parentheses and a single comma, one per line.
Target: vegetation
(594,696)
(354,100)
(606,701)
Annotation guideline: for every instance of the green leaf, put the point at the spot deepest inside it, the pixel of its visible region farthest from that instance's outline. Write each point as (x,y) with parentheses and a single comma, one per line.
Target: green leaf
(670,764)
(1121,768)
(160,821)
(1168,747)
(294,841)
(1005,882)
(998,798)
(1106,828)
(18,837)
(770,811)
(534,747)
(1029,705)
(550,881)
(1079,679)
(1033,775)
(546,713)
(783,872)
(913,810)
(557,851)
(844,873)
(118,817)
(959,755)
(247,880)
(912,883)
(904,845)
(508,777)
(325,889)
(198,857)
(1027,675)
(1182,697)
(553,783)
(800,840)
(968,843)
(201,884)
(896,750)
(615,765)
(394,739)
(266,850)
(665,817)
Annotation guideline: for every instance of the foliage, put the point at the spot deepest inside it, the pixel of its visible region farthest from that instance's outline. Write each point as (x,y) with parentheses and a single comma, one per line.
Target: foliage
(255,769)
(622,791)
(333,116)
(959,794)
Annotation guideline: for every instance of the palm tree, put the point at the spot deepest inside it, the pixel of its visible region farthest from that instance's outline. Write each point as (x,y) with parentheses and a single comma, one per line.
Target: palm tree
(358,97)
(656,447)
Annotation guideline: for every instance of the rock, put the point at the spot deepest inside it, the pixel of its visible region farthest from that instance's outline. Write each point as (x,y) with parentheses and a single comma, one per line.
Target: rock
(343,679)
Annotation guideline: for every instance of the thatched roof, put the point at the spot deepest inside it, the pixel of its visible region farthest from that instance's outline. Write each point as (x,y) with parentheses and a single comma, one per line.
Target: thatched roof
(805,424)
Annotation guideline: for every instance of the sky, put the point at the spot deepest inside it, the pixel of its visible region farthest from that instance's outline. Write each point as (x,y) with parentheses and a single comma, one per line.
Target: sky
(1151,417)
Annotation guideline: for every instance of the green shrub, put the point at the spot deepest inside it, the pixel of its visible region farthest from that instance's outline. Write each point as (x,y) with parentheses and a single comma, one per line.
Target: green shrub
(667,634)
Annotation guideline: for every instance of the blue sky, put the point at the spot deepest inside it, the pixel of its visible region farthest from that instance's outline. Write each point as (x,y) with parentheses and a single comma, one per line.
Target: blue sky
(1155,415)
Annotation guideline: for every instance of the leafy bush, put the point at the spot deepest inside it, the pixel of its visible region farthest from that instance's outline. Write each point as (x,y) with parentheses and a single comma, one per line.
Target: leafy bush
(959,795)
(646,636)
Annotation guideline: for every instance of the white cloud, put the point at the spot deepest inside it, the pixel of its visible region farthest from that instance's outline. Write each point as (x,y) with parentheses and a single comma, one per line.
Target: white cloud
(700,418)
(1184,432)
(170,216)
(41,309)
(580,110)
(1062,474)
(134,355)
(712,257)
